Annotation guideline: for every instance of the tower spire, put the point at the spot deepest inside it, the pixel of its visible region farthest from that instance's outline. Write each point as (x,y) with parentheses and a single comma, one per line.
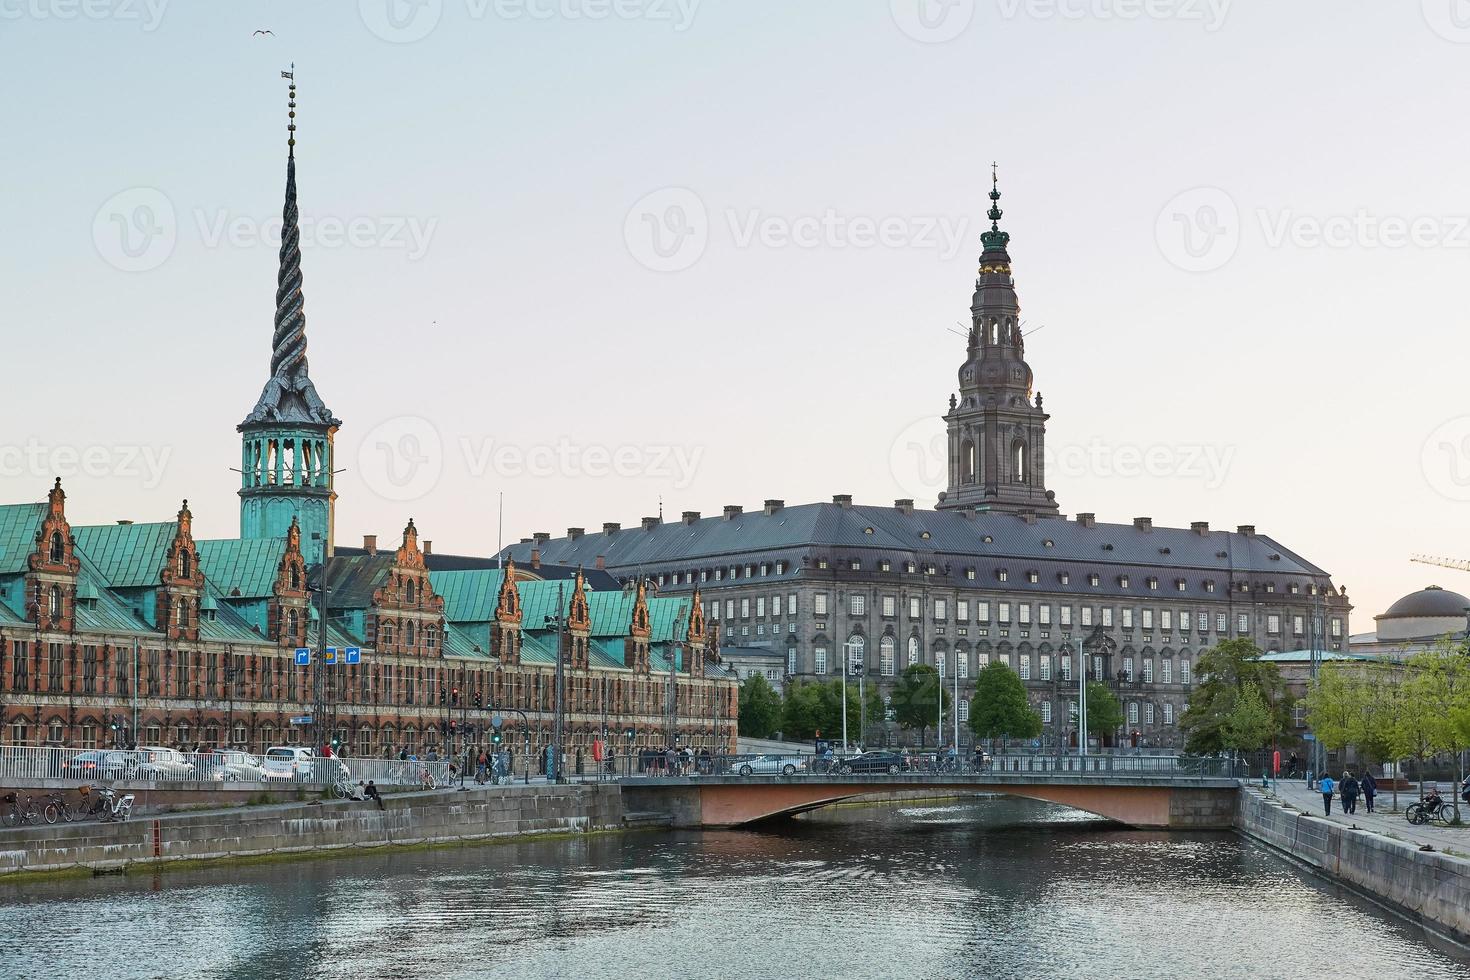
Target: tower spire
(995,238)
(289,395)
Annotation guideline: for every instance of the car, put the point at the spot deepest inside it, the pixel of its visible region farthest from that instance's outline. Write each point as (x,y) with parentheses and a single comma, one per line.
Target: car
(299,763)
(770,764)
(871,762)
(160,763)
(228,765)
(101,764)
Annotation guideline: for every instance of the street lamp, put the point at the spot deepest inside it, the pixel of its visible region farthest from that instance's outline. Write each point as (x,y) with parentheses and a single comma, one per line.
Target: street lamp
(859,646)
(558,622)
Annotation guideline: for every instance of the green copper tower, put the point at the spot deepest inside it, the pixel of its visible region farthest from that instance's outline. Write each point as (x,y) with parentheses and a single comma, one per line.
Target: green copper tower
(286,451)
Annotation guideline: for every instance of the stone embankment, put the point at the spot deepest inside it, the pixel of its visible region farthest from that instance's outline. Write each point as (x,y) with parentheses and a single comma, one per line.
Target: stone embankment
(411,819)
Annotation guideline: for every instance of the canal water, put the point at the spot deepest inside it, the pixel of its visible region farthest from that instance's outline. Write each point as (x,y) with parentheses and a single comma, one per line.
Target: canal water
(992,887)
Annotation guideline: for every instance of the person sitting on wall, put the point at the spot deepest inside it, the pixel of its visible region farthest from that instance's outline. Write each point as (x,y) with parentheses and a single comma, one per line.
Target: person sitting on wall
(370,792)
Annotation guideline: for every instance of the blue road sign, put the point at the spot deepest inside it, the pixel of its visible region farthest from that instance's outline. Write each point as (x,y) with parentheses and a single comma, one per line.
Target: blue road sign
(301,720)
(329,656)
(303,656)
(353,655)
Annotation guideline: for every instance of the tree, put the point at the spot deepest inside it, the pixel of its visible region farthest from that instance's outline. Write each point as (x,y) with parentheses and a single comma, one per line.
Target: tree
(917,697)
(760,708)
(1335,702)
(803,713)
(1104,713)
(1440,689)
(1000,708)
(1224,672)
(1250,725)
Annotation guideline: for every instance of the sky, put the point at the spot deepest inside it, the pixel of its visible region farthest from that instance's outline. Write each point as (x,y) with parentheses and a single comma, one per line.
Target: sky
(601,256)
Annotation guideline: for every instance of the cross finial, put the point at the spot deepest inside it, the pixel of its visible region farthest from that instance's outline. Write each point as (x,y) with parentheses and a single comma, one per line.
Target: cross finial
(994,174)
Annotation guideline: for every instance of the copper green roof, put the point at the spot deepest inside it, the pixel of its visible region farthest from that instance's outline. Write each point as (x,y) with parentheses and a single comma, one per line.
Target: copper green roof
(10,618)
(459,643)
(246,568)
(469,596)
(128,555)
(19,525)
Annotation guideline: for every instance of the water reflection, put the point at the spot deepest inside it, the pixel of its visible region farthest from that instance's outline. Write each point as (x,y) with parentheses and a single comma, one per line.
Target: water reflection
(992,886)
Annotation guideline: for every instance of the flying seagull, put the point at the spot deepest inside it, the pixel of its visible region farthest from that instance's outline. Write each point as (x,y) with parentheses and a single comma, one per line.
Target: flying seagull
(263,33)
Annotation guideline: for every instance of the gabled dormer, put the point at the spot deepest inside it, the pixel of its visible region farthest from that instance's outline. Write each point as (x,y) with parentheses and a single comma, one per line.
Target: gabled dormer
(640,629)
(695,638)
(289,615)
(579,626)
(181,583)
(51,580)
(407,615)
(505,642)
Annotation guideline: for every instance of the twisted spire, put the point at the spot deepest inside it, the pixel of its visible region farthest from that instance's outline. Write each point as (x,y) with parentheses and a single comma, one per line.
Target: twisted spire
(289,396)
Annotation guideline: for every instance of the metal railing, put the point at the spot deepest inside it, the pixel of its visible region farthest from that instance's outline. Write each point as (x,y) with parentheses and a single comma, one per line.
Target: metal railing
(899,765)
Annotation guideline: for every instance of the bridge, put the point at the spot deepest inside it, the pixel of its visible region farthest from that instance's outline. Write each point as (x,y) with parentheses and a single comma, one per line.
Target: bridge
(1153,799)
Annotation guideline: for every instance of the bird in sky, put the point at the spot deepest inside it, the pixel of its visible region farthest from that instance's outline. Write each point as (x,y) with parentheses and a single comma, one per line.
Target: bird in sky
(263,34)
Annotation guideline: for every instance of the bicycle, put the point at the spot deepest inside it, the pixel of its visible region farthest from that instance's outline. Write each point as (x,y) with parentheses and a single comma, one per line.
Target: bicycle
(58,808)
(1437,809)
(19,813)
(343,789)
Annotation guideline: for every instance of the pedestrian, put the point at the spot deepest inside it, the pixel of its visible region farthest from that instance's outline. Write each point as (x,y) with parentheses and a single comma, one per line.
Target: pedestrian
(403,754)
(370,792)
(1326,786)
(671,762)
(1291,765)
(482,766)
(1370,789)
(1349,793)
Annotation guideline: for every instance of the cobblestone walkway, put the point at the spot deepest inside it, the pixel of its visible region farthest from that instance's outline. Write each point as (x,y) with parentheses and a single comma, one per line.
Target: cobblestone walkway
(1384,821)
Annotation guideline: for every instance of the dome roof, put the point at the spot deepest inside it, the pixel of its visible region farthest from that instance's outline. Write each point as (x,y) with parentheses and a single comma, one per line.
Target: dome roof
(1431,602)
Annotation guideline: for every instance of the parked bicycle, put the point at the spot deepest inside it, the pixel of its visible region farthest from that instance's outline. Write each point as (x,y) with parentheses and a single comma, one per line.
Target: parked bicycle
(114,807)
(1435,808)
(58,807)
(16,812)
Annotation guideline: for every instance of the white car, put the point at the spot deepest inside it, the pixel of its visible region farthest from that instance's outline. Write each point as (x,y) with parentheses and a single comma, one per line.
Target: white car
(158,762)
(227,765)
(296,762)
(770,764)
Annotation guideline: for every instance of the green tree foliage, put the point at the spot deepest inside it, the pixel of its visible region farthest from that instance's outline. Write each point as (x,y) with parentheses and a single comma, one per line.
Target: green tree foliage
(1250,725)
(1104,713)
(760,708)
(1335,706)
(803,712)
(1224,672)
(916,699)
(1000,708)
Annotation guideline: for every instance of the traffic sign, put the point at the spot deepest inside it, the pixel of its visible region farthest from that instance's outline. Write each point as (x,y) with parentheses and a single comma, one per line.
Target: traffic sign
(353,655)
(1309,737)
(329,655)
(301,720)
(496,721)
(303,656)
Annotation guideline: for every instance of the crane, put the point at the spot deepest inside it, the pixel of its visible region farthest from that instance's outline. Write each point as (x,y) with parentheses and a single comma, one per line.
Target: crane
(1455,563)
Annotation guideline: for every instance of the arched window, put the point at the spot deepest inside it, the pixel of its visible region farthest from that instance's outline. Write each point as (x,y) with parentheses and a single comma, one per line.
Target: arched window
(913,650)
(967,456)
(408,633)
(58,548)
(408,592)
(186,564)
(183,612)
(53,602)
(856,650)
(295,576)
(293,626)
(886,651)
(1022,458)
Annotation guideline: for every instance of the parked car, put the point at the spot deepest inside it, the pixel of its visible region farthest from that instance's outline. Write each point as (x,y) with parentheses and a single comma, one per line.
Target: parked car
(101,764)
(785,765)
(297,762)
(871,762)
(227,765)
(158,762)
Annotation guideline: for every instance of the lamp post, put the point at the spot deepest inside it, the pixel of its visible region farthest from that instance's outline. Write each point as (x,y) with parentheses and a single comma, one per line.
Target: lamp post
(847,657)
(559,623)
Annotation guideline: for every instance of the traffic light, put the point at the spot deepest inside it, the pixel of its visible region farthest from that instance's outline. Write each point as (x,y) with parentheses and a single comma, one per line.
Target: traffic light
(452,727)
(443,697)
(479,699)
(494,736)
(631,734)
(454,697)
(336,743)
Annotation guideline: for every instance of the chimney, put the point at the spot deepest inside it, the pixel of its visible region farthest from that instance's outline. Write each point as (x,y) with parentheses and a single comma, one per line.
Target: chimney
(905,505)
(611,528)
(690,516)
(1143,523)
(535,557)
(541,537)
(525,540)
(428,548)
(774,505)
(649,523)
(1029,516)
(124,522)
(1248,530)
(1201,528)
(1087,520)
(573,533)
(370,543)
(601,562)
(732,511)
(843,500)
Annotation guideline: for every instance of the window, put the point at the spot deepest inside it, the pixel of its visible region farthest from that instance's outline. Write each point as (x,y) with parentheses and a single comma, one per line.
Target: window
(884,565)
(1023,613)
(964,709)
(913,650)
(1046,712)
(962,610)
(1066,616)
(1148,670)
(1222,623)
(1072,712)
(1002,574)
(915,611)
(1296,626)
(745,608)
(1123,581)
(1179,585)
(819,660)
(1148,713)
(1127,615)
(886,656)
(760,606)
(941,610)
(58,548)
(1003,612)
(1336,628)
(962,665)
(776,605)
(1023,666)
(1086,616)
(1201,621)
(1066,664)
(819,604)
(1107,617)
(1147,619)
(1094,580)
(890,605)
(1132,712)
(1273,624)
(857,604)
(1128,668)
(54,732)
(1033,577)
(857,660)
(1166,620)
(409,629)
(89,670)
(1183,671)
(1168,713)
(1043,615)
(53,667)
(1065,578)
(729,608)
(982,611)
(53,604)
(1166,670)
(791,661)
(1043,665)
(1242,622)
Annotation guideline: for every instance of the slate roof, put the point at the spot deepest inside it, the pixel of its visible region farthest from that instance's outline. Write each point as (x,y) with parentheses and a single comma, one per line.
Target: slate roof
(436,562)
(19,525)
(353,579)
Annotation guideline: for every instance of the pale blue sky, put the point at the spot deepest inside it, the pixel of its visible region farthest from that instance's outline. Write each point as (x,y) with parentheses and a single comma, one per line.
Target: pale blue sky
(497,292)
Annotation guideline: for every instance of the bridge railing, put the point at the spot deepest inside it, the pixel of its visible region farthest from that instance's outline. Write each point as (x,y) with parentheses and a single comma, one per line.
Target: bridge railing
(909,765)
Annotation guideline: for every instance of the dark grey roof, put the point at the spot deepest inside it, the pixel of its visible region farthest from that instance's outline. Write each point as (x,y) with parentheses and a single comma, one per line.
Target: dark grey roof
(596,578)
(807,530)
(1430,602)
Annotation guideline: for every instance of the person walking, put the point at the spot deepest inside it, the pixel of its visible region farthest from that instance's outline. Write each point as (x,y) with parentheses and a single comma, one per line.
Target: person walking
(1349,793)
(1370,789)
(1326,786)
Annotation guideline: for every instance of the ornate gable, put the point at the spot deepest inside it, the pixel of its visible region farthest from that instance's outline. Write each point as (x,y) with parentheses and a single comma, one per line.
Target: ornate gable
(579,617)
(181,580)
(641,626)
(508,602)
(291,572)
(407,615)
(288,617)
(52,583)
(408,554)
(696,632)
